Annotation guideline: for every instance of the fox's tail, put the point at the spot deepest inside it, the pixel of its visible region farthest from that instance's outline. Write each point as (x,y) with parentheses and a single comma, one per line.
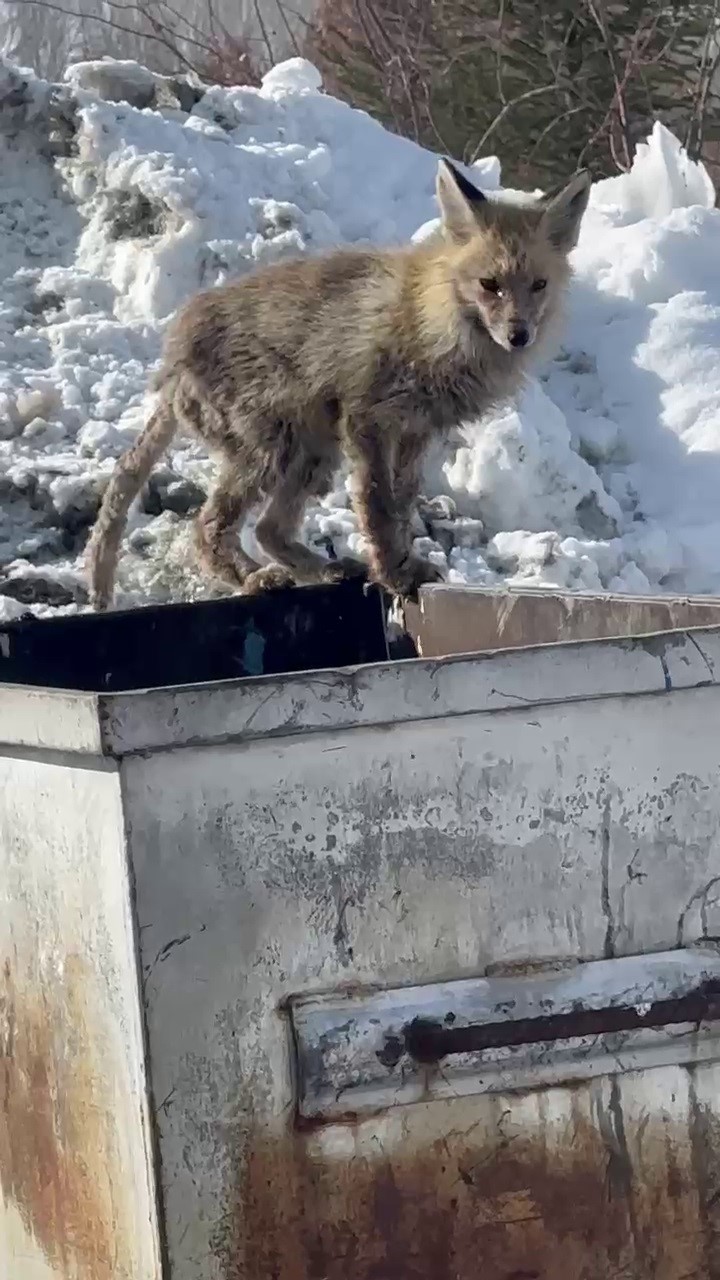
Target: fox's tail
(131,472)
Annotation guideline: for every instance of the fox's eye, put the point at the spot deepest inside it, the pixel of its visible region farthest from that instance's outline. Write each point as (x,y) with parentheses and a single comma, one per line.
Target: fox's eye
(491,286)
(539,285)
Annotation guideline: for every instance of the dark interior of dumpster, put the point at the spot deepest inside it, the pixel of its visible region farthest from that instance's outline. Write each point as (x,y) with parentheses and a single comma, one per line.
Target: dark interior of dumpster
(299,629)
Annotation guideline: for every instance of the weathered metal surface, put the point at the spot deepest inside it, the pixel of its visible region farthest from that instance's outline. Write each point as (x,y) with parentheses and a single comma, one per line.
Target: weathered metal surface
(385,694)
(425,850)
(396,694)
(429,822)
(617,1178)
(455,619)
(46,720)
(359,1052)
(77,1192)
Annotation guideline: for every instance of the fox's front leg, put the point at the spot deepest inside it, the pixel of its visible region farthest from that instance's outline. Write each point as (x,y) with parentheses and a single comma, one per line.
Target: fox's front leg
(408,455)
(383,502)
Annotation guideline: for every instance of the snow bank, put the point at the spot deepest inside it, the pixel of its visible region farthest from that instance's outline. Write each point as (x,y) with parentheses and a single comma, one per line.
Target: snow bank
(124,192)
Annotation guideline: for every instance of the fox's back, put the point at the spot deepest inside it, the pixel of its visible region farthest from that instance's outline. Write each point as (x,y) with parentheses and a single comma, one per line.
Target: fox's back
(299,327)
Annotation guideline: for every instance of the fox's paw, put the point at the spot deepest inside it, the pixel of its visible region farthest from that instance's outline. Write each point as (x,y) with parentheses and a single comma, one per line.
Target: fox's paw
(412,574)
(345,567)
(273,577)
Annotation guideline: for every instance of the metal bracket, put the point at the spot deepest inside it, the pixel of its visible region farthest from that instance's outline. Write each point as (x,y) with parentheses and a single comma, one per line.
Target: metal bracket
(364,1053)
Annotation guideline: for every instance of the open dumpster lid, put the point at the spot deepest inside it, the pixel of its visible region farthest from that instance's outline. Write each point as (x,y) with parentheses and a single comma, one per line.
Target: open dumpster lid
(464,619)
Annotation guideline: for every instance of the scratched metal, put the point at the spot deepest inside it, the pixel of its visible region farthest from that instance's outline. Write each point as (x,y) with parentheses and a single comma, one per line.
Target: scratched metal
(358,1052)
(416,852)
(77,1190)
(401,824)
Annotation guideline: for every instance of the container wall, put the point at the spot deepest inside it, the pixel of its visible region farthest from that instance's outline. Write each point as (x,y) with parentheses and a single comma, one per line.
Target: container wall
(412,853)
(469,619)
(76,1182)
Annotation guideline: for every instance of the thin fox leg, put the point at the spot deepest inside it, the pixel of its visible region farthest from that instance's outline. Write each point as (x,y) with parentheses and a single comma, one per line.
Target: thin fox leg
(384,509)
(407,481)
(277,527)
(216,529)
(407,477)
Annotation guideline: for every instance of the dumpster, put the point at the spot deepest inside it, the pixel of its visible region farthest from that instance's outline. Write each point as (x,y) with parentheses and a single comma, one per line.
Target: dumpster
(378,968)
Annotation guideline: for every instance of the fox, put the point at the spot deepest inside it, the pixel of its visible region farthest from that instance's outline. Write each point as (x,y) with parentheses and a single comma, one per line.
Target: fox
(360,354)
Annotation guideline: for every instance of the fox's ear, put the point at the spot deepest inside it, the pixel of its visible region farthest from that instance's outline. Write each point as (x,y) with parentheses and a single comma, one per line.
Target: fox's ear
(459,201)
(564,210)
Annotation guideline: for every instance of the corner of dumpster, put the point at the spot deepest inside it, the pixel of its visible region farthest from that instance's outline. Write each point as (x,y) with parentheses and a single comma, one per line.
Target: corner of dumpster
(77,1186)
(427,956)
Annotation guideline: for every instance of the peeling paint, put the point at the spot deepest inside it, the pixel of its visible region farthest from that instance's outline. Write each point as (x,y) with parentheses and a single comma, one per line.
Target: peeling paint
(367,1051)
(429,851)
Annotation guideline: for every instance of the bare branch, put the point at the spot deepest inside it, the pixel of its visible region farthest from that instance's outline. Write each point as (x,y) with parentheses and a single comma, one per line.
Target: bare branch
(494,124)
(548,85)
(265,33)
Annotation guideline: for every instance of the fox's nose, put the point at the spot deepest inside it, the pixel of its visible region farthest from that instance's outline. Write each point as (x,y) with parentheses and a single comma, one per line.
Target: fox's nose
(519,335)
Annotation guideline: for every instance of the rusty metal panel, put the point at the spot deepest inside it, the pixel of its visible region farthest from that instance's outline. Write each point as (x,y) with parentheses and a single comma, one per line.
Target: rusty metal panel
(615,1178)
(76,1178)
(431,823)
(450,620)
(441,849)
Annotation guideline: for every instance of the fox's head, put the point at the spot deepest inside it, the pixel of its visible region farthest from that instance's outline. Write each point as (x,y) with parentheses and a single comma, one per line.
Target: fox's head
(508,263)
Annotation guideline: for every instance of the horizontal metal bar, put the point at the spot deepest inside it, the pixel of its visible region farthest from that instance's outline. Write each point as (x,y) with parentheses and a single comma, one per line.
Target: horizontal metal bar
(428,1041)
(384,1048)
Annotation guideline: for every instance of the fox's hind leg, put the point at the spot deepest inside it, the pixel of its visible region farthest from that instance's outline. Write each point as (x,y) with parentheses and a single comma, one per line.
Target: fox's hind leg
(216,530)
(306,475)
(237,488)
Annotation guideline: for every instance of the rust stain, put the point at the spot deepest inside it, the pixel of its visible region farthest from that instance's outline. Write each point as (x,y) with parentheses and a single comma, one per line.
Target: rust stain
(58,1126)
(468,1201)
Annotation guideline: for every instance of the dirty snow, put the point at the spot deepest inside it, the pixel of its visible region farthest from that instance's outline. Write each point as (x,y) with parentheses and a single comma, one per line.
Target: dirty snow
(123,192)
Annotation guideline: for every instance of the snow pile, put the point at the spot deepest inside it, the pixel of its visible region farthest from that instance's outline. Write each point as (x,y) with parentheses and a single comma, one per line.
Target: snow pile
(124,192)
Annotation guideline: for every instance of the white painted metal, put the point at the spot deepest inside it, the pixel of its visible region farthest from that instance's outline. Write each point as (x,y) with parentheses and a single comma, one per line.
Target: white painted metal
(76,1169)
(49,720)
(384,694)
(431,849)
(398,693)
(425,822)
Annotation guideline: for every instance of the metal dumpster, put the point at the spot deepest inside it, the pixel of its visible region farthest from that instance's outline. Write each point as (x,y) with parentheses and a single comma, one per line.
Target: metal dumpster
(395,970)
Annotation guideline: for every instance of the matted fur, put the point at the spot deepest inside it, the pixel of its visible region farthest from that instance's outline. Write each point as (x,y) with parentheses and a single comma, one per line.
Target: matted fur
(361,352)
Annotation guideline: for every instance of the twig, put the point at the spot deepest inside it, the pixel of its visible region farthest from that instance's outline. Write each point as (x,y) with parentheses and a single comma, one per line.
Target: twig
(523,97)
(264,31)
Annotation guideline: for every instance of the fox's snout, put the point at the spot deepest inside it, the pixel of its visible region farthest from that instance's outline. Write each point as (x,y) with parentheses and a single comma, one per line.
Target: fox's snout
(514,334)
(519,335)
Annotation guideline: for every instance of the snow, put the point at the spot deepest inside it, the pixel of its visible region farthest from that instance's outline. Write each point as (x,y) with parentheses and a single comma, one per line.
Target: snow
(606,474)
